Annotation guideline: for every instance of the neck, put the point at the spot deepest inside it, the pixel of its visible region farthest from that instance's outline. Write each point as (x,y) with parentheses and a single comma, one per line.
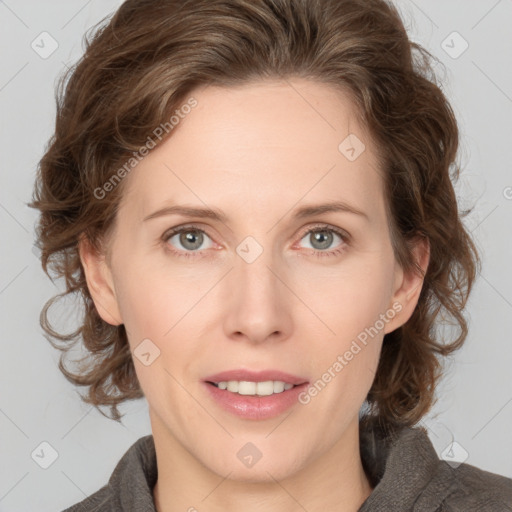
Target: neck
(335,480)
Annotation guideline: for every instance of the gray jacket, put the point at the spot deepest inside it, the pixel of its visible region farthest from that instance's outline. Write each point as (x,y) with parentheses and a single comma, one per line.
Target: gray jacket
(405,471)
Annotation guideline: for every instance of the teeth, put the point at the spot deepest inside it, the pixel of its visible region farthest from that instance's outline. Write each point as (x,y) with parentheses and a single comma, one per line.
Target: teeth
(244,387)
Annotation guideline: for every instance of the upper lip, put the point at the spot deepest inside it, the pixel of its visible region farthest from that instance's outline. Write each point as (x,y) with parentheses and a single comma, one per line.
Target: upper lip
(255,376)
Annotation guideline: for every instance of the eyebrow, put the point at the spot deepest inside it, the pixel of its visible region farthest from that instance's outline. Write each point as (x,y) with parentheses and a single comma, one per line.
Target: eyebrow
(219,215)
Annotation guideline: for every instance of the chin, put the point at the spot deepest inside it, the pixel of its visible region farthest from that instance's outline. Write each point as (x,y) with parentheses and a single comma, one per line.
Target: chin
(263,470)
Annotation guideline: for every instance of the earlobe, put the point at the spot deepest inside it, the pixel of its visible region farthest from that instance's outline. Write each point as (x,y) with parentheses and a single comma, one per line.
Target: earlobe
(408,285)
(99,282)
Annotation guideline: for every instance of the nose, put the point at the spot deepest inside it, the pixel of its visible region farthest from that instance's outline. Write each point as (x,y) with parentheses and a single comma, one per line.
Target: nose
(259,307)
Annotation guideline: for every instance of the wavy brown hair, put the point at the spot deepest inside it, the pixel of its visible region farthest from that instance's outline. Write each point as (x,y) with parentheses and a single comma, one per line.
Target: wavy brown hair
(139,66)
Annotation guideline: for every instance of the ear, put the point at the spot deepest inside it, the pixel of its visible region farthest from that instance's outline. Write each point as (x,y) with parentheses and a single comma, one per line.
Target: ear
(408,285)
(99,282)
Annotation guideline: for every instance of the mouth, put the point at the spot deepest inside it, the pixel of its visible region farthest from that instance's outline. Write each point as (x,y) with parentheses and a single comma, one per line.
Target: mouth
(251,388)
(252,382)
(255,395)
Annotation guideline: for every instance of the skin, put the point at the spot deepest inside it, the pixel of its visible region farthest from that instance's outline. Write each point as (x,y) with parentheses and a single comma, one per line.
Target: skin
(258,152)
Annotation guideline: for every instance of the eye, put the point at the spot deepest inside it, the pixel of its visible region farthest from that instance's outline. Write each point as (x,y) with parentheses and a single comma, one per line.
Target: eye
(322,237)
(190,238)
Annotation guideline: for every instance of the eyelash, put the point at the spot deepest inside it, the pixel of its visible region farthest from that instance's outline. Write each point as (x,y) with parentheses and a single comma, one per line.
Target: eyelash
(194,254)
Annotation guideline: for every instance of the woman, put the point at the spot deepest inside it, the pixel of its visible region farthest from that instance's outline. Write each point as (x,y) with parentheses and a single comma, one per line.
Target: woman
(254,199)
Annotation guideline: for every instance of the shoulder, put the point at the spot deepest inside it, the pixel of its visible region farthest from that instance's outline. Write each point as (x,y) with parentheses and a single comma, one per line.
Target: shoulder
(130,485)
(451,486)
(407,474)
(473,489)
(100,501)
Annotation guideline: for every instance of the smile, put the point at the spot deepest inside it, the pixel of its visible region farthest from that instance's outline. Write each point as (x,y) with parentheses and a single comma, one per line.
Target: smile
(244,387)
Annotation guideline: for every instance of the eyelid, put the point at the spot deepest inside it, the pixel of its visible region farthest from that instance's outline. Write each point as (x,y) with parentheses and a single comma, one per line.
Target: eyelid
(318,226)
(203,228)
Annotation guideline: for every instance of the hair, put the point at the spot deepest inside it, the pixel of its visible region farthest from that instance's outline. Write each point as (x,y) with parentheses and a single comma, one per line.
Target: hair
(139,66)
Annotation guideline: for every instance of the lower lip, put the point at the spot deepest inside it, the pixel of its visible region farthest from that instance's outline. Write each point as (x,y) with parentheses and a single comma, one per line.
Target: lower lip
(255,407)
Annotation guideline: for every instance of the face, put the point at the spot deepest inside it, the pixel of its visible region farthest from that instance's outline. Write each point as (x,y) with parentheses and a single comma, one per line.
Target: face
(262,288)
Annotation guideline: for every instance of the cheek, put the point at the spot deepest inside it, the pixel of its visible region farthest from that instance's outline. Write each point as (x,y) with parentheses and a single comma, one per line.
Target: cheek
(344,364)
(351,297)
(151,300)
(356,306)
(159,310)
(155,295)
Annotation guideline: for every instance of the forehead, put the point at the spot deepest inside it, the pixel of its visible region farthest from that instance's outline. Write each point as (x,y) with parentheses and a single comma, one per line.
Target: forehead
(269,142)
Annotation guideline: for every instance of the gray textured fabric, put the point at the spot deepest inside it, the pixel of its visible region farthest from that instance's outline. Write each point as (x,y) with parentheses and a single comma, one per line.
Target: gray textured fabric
(404,469)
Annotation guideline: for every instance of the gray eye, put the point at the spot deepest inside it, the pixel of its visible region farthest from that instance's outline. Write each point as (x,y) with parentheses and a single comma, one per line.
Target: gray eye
(321,239)
(189,239)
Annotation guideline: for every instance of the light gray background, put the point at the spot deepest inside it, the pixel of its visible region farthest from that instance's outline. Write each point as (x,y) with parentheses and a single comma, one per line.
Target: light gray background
(37,404)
